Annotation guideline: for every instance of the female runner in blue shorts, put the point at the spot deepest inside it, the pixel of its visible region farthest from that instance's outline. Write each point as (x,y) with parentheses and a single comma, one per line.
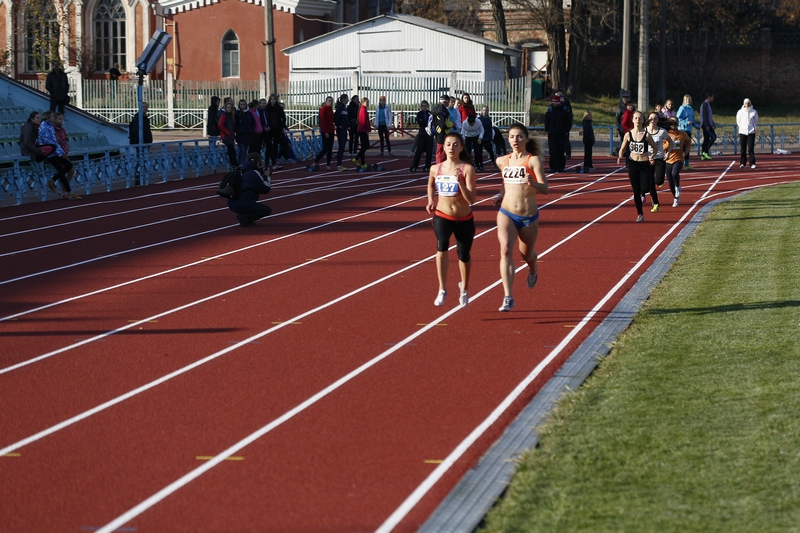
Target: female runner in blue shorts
(455,182)
(518,218)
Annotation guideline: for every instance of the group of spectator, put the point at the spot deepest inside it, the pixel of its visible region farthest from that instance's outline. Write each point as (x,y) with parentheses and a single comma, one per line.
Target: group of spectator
(255,127)
(44,139)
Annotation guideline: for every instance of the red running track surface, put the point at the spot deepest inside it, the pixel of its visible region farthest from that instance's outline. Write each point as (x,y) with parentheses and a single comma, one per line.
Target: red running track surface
(163,369)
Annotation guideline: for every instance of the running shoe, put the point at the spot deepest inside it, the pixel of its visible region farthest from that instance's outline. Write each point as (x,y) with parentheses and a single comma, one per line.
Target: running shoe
(741,166)
(52,186)
(439,301)
(463,296)
(355,160)
(675,202)
(532,279)
(678,191)
(73,196)
(753,165)
(244,221)
(341,167)
(412,169)
(688,167)
(277,167)
(640,218)
(654,209)
(508,304)
(705,157)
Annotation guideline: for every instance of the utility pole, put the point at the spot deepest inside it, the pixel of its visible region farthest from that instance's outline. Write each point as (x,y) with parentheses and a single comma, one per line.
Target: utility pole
(644,57)
(625,81)
(272,82)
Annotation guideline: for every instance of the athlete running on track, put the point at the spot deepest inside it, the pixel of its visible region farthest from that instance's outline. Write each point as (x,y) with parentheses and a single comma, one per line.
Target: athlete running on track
(639,170)
(455,181)
(518,218)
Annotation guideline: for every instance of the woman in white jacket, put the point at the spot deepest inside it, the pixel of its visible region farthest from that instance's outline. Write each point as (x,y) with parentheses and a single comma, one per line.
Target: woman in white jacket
(746,121)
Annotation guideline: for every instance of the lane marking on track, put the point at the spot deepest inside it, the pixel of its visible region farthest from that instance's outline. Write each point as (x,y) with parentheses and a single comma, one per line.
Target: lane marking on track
(199,234)
(414,498)
(292,323)
(163,221)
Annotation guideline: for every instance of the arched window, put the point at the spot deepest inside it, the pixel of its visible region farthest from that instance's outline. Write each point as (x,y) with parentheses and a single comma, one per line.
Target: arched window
(109,35)
(41,37)
(230,55)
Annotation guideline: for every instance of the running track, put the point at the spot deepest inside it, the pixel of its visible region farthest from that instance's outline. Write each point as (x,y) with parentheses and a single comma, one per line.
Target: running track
(162,369)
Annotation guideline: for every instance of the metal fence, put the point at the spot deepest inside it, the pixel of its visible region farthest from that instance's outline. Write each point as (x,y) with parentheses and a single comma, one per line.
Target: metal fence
(183,103)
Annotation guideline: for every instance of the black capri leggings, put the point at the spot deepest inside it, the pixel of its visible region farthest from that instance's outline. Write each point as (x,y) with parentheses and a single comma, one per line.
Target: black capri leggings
(639,174)
(463,228)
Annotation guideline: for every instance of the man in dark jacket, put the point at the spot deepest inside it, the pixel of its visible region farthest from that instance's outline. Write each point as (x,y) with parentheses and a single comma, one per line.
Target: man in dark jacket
(423,141)
(57,85)
(133,139)
(441,125)
(246,205)
(352,116)
(557,123)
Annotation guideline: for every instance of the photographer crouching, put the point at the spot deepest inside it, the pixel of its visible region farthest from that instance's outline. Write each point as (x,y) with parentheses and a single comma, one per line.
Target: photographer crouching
(246,205)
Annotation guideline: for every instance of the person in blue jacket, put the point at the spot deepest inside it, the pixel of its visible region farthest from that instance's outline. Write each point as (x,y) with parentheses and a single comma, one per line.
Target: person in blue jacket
(246,205)
(686,122)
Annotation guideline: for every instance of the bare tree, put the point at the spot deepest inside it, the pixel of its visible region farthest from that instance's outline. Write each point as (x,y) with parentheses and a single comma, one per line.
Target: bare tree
(427,9)
(499,16)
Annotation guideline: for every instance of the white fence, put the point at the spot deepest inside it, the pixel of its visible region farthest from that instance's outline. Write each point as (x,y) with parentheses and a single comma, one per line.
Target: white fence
(183,103)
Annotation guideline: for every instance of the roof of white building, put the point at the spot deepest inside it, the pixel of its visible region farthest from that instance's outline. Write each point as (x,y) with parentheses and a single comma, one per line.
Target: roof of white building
(491,46)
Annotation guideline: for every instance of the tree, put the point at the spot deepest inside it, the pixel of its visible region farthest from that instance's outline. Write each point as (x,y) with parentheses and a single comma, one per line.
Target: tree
(427,9)
(499,16)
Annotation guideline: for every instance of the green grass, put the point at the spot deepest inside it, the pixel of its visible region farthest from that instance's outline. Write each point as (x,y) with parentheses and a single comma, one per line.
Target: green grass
(692,423)
(604,107)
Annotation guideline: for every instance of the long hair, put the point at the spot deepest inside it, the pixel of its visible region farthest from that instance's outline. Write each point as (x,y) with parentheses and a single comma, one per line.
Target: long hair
(463,155)
(532,145)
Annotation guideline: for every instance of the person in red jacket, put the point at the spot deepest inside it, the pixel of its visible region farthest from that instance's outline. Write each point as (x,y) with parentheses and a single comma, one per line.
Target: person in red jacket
(327,129)
(467,108)
(227,126)
(364,127)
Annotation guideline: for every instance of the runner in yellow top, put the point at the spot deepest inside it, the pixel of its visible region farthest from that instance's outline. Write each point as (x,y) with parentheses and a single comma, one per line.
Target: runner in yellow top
(518,218)
(454,180)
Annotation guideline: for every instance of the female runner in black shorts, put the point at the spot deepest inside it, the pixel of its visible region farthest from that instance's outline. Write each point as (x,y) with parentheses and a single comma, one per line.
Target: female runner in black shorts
(639,171)
(455,182)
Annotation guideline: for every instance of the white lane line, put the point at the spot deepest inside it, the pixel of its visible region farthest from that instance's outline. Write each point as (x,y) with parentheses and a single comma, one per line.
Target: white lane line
(177,239)
(158,222)
(232,450)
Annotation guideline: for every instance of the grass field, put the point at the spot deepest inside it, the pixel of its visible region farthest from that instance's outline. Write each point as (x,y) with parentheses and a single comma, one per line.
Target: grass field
(604,107)
(692,423)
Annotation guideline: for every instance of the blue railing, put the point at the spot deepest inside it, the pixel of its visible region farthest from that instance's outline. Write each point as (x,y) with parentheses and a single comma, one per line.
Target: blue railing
(115,167)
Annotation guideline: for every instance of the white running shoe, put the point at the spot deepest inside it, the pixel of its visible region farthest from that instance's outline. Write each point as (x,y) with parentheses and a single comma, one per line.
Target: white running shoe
(439,301)
(753,165)
(463,296)
(508,304)
(675,202)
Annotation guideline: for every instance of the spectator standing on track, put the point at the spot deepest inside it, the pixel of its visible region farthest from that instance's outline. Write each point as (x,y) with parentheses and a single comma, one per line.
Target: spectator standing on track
(455,115)
(565,103)
(623,106)
(423,141)
(634,144)
(246,205)
(255,145)
(678,147)
(466,108)
(518,217)
(383,123)
(686,122)
(57,84)
(472,133)
(708,126)
(56,157)
(352,114)
(442,123)
(747,121)
(557,123)
(243,131)
(488,137)
(227,127)
(587,134)
(28,136)
(212,118)
(327,128)
(263,118)
(454,180)
(277,123)
(363,133)
(341,119)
